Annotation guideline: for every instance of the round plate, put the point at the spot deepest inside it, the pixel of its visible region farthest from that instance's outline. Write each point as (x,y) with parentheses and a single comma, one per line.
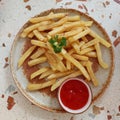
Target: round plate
(43,100)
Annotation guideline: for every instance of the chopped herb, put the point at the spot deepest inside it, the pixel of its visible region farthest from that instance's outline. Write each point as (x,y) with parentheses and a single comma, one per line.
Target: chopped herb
(57,44)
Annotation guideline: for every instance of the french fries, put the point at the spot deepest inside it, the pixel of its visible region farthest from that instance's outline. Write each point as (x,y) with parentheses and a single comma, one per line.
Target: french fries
(61,48)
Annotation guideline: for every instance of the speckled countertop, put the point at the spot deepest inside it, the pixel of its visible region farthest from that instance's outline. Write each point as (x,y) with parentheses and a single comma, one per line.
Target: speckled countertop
(13,14)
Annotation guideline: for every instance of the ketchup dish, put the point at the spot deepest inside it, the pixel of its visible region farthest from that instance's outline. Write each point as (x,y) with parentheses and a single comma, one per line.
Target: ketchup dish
(75,95)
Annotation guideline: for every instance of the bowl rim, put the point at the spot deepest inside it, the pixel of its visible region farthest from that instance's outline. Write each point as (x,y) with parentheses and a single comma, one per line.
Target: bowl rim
(87,105)
(41,14)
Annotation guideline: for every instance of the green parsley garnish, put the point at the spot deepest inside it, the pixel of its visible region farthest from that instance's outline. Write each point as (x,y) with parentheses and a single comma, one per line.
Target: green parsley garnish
(57,44)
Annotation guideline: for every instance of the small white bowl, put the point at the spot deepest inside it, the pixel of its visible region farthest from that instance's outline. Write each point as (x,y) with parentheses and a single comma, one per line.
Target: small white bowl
(79,110)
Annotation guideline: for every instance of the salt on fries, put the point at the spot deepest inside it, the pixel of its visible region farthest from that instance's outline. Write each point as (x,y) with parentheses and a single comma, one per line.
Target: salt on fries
(60,40)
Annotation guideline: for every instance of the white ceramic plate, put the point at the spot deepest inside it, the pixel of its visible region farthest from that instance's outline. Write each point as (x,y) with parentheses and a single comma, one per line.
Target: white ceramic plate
(43,100)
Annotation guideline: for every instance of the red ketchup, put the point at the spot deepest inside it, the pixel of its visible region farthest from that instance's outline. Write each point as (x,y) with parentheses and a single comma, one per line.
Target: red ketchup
(74,94)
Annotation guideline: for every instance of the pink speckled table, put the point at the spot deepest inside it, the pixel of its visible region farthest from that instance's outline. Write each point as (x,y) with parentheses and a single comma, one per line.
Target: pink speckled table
(13,14)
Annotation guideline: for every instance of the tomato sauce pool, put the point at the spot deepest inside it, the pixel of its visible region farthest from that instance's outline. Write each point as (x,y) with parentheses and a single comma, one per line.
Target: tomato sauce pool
(74,94)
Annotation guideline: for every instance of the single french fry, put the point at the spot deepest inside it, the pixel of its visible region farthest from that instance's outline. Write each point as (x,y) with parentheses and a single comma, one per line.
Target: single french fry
(48,17)
(57,30)
(88,23)
(25,55)
(38,72)
(24,34)
(53,25)
(43,28)
(38,35)
(37,61)
(91,73)
(80,57)
(38,43)
(73,32)
(58,23)
(77,24)
(31,35)
(86,50)
(58,83)
(73,18)
(33,87)
(48,22)
(44,25)
(84,39)
(45,74)
(76,47)
(51,60)
(80,35)
(75,63)
(99,56)
(68,26)
(68,65)
(70,33)
(59,74)
(91,54)
(38,53)
(101,40)
(27,30)
(90,43)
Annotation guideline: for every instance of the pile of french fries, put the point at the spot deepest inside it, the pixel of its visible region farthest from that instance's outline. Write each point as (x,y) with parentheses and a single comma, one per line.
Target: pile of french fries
(73,60)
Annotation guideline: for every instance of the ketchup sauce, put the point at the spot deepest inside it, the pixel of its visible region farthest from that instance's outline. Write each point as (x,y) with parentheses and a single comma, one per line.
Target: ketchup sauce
(74,94)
